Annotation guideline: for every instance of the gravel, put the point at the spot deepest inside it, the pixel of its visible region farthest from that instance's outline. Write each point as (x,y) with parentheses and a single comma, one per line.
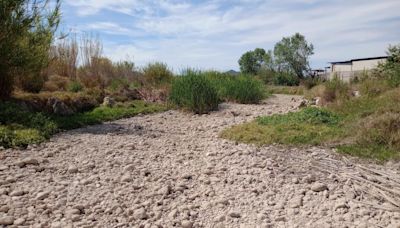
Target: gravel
(171,169)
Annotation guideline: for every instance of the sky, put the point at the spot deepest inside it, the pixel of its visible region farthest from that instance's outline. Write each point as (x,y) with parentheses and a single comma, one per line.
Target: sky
(213,34)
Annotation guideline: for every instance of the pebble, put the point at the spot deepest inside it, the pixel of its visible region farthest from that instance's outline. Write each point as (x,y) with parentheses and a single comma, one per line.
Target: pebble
(319,187)
(186,224)
(184,177)
(234,214)
(6,220)
(72,169)
(19,221)
(126,178)
(42,195)
(140,214)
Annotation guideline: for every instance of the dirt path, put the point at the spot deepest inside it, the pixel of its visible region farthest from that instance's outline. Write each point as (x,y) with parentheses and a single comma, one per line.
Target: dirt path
(171,170)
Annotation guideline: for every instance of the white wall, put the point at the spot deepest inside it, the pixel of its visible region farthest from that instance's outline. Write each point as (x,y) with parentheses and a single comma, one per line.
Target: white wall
(341,67)
(366,64)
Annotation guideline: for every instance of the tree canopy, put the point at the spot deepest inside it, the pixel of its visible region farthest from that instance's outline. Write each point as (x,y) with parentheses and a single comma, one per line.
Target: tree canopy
(26,32)
(290,55)
(252,61)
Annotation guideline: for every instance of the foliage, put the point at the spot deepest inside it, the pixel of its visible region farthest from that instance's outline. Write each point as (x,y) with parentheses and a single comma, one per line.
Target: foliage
(157,74)
(103,114)
(56,83)
(391,69)
(311,115)
(286,79)
(75,87)
(252,61)
(242,89)
(310,82)
(292,54)
(336,90)
(19,127)
(309,126)
(194,92)
(291,90)
(367,127)
(29,27)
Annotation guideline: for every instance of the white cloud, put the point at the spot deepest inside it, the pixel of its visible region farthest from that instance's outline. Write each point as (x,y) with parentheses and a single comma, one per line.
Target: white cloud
(215,33)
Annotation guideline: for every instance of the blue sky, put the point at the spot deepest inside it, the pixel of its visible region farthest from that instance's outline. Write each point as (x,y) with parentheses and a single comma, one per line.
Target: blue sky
(214,34)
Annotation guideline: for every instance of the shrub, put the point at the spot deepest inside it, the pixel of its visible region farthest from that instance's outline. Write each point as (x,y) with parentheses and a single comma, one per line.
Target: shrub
(56,83)
(157,74)
(194,92)
(242,89)
(266,75)
(75,87)
(31,82)
(380,129)
(336,90)
(286,79)
(310,82)
(373,87)
(27,29)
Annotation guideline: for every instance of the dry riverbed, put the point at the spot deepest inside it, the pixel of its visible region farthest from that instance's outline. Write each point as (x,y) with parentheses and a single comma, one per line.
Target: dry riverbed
(172,170)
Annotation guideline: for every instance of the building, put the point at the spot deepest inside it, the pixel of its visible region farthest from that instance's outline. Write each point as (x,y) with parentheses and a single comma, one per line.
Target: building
(346,70)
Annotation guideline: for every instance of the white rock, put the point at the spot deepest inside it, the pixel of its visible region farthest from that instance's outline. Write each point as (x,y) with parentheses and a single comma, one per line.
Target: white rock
(140,214)
(72,169)
(19,221)
(319,187)
(6,220)
(186,224)
(42,195)
(126,178)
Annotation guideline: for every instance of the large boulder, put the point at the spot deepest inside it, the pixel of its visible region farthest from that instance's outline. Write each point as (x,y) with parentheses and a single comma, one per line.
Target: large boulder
(108,102)
(59,107)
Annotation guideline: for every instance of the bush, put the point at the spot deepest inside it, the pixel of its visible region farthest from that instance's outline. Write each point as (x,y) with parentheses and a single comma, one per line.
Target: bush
(32,83)
(310,82)
(194,92)
(27,29)
(373,87)
(380,129)
(56,83)
(286,79)
(157,74)
(75,87)
(336,90)
(242,89)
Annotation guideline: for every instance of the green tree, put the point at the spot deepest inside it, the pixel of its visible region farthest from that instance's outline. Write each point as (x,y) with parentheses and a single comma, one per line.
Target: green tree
(391,68)
(252,61)
(292,54)
(26,32)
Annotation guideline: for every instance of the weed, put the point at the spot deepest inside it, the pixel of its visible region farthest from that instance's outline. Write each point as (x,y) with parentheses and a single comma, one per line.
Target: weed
(194,92)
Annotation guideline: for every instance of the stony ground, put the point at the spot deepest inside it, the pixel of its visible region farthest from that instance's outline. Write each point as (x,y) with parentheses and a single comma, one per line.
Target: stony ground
(171,170)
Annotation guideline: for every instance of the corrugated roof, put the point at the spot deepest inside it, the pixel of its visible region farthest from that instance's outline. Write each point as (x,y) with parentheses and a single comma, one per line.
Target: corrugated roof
(353,60)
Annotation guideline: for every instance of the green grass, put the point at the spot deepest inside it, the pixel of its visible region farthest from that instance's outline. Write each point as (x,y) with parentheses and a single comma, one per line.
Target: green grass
(367,127)
(309,126)
(290,90)
(242,89)
(19,128)
(193,91)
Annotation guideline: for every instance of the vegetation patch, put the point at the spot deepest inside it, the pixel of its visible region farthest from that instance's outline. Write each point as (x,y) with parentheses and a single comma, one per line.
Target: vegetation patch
(194,92)
(242,89)
(309,126)
(367,127)
(20,127)
(290,90)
